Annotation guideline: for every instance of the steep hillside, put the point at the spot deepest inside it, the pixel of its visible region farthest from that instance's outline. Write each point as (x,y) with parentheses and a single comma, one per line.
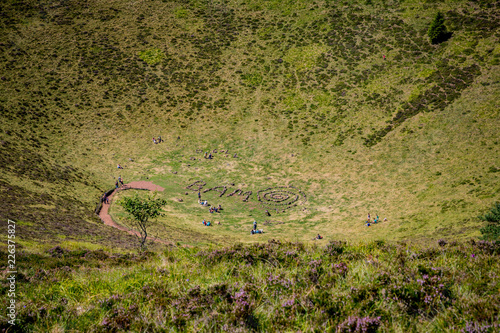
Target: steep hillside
(348,101)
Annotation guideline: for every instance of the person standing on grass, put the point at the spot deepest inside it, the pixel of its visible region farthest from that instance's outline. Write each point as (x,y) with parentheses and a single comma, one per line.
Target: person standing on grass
(254,225)
(120,180)
(116,185)
(199,195)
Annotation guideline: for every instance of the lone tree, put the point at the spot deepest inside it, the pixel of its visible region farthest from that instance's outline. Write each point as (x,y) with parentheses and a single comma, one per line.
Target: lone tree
(437,30)
(142,210)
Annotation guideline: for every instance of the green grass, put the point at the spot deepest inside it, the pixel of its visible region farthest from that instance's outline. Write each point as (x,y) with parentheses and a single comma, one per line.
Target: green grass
(269,287)
(299,90)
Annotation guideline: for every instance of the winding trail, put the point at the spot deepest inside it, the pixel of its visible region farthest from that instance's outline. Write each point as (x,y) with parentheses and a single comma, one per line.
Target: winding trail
(139,185)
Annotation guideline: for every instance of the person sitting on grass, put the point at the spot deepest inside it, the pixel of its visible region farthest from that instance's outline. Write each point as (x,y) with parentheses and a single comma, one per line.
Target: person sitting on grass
(375,220)
(204,222)
(319,237)
(208,224)
(218,222)
(368,223)
(219,208)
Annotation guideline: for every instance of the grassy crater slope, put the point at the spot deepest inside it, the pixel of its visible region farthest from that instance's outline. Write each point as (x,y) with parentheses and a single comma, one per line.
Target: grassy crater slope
(347,101)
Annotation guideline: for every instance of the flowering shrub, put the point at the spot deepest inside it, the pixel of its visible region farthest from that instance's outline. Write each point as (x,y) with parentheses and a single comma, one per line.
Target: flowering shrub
(275,286)
(334,248)
(340,269)
(475,327)
(418,295)
(359,325)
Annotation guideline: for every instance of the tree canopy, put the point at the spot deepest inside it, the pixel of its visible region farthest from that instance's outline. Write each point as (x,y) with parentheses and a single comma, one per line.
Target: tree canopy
(437,30)
(142,210)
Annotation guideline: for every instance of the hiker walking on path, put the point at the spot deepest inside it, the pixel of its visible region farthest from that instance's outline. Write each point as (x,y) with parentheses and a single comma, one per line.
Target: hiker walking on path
(105,199)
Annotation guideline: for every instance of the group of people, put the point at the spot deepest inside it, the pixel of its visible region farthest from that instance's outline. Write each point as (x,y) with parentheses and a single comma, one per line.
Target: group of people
(375,220)
(209,224)
(205,203)
(215,209)
(105,198)
(255,230)
(156,141)
(119,182)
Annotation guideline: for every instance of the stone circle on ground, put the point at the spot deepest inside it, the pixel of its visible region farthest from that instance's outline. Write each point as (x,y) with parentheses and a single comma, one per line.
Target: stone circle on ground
(281,197)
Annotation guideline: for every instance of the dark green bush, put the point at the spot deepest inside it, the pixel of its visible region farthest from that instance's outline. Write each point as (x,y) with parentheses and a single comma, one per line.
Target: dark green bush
(437,30)
(492,230)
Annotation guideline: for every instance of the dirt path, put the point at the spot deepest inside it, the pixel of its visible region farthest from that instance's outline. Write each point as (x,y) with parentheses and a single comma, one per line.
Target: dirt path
(140,185)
